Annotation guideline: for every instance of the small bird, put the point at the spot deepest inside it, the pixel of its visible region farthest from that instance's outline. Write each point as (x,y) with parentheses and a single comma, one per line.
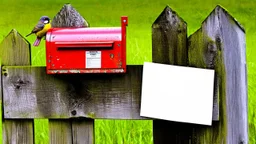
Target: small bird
(41,29)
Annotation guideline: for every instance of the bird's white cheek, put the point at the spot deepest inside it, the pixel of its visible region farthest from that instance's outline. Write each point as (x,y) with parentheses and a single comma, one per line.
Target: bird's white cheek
(46,21)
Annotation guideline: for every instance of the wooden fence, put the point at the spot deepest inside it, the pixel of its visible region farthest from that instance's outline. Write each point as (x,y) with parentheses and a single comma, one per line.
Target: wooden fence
(71,103)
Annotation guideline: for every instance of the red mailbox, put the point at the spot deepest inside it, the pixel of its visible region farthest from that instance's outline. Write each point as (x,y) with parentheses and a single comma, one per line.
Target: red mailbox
(87,50)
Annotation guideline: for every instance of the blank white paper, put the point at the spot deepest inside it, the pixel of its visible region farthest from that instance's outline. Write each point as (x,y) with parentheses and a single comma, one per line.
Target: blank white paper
(177,93)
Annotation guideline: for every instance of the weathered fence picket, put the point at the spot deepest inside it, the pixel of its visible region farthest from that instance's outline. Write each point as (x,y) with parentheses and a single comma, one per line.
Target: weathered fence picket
(83,131)
(220,45)
(15,51)
(71,103)
(169,46)
(69,17)
(60,131)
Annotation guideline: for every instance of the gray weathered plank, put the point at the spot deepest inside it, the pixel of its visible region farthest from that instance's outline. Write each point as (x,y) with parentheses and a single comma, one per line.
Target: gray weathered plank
(169,46)
(60,132)
(83,131)
(30,93)
(220,44)
(69,17)
(15,50)
(18,132)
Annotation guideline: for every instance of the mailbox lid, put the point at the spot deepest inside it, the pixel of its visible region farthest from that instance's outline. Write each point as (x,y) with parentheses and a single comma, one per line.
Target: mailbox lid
(99,34)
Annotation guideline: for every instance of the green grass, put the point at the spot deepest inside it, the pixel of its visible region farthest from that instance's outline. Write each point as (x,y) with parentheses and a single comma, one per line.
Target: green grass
(123,132)
(23,15)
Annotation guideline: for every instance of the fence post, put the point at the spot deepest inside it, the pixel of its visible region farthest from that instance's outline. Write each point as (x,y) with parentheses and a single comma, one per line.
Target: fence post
(169,46)
(220,44)
(15,51)
(78,131)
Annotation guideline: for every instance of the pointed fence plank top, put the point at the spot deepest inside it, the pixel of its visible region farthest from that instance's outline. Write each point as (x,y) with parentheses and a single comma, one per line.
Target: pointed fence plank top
(169,35)
(68,17)
(15,50)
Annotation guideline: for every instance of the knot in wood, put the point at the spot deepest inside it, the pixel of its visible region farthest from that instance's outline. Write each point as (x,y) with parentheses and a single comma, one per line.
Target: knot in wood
(211,54)
(19,82)
(73,112)
(171,18)
(218,42)
(211,47)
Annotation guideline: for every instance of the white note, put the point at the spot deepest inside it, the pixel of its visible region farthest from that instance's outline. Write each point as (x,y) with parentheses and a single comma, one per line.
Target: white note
(177,93)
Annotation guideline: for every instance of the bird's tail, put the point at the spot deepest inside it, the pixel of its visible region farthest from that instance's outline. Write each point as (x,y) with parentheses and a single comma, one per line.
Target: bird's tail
(28,34)
(37,42)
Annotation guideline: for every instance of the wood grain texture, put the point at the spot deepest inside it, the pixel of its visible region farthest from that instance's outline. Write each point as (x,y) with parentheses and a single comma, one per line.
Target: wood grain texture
(18,132)
(169,35)
(15,50)
(169,46)
(219,44)
(69,17)
(30,93)
(223,48)
(60,132)
(83,131)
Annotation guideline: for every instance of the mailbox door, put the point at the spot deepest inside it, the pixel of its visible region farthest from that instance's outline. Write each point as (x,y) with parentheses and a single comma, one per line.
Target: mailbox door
(94,56)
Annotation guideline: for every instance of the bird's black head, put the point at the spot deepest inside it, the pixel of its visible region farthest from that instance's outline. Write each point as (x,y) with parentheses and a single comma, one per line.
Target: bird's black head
(45,19)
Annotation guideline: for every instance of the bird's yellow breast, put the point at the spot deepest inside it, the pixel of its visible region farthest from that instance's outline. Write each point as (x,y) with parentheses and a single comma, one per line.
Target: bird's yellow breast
(42,32)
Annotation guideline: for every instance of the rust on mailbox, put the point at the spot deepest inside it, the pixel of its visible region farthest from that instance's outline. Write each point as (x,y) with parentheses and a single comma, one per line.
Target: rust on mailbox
(87,50)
